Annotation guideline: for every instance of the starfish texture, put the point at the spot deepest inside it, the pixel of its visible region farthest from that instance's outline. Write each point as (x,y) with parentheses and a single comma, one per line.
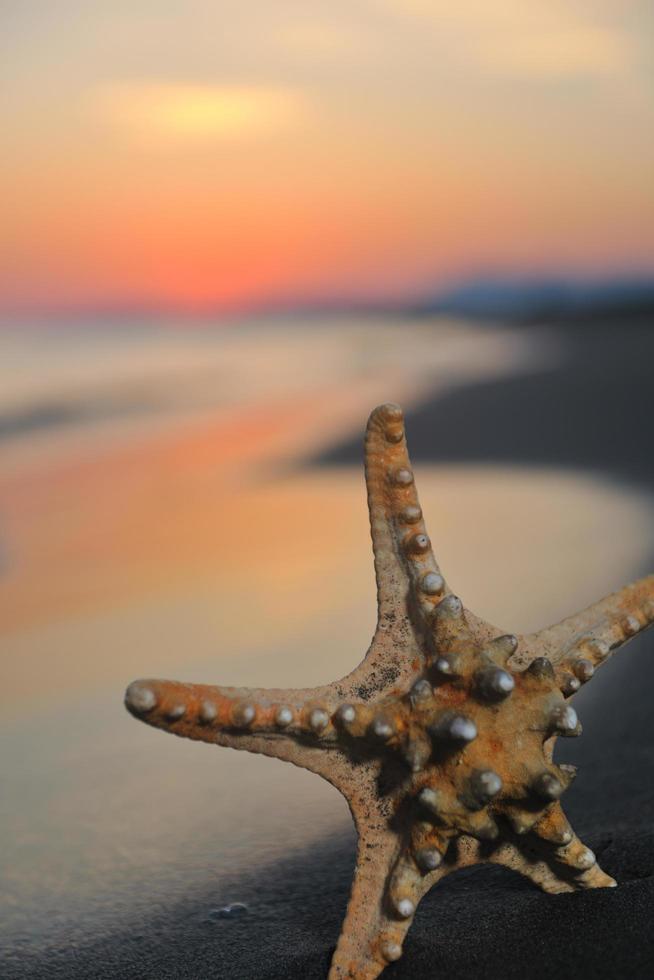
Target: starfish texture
(441,740)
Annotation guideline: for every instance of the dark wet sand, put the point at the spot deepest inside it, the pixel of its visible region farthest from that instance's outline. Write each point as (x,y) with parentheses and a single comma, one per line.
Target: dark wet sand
(592,413)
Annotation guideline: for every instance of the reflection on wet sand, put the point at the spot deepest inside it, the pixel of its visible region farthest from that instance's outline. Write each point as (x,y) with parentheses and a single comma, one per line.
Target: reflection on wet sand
(178,578)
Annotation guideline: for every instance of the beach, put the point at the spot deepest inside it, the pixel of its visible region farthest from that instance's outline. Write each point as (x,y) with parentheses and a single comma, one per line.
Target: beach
(194,522)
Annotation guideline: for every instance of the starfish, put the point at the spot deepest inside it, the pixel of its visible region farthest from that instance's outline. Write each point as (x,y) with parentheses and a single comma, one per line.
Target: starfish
(441,740)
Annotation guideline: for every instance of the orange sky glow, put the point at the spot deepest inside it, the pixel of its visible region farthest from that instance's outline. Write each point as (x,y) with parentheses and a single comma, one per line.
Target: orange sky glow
(199,156)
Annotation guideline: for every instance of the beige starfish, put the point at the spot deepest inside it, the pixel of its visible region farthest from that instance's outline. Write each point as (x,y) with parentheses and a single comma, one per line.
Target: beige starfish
(441,740)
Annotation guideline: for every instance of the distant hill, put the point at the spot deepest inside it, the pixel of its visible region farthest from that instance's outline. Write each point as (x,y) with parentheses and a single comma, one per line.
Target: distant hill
(536,299)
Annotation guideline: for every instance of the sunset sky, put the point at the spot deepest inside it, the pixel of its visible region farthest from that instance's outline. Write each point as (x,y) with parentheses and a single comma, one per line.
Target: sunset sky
(221,154)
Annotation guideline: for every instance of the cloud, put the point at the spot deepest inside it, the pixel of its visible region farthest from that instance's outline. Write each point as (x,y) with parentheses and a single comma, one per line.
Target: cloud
(196,113)
(523,38)
(565,54)
(322,40)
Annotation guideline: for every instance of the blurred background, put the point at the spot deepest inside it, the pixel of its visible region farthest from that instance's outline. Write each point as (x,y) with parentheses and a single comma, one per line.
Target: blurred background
(229,231)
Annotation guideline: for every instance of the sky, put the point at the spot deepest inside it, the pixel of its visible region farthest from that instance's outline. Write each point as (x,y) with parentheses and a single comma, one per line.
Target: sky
(205,155)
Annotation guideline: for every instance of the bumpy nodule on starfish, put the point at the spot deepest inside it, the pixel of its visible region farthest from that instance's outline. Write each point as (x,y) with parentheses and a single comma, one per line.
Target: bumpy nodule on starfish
(441,740)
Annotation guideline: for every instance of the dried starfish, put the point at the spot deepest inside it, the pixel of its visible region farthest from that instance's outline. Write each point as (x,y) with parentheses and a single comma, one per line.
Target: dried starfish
(441,740)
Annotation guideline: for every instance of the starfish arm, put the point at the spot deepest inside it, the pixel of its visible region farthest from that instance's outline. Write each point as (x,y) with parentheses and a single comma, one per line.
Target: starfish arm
(553,857)
(368,939)
(293,725)
(579,864)
(404,560)
(584,641)
(554,840)
(410,586)
(386,890)
(532,866)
